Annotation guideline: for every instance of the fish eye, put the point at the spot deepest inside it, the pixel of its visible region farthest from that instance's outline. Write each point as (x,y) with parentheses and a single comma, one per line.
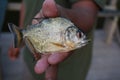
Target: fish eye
(78,33)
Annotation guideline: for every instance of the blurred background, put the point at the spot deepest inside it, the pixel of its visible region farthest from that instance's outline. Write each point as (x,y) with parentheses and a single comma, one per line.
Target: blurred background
(106,51)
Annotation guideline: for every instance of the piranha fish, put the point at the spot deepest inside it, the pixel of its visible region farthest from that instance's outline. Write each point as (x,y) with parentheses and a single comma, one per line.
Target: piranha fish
(49,36)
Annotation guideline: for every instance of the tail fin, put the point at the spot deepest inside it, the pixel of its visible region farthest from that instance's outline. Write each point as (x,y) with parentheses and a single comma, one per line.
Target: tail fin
(17,35)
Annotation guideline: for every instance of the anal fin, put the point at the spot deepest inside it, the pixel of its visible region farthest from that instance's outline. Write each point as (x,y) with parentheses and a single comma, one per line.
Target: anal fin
(32,49)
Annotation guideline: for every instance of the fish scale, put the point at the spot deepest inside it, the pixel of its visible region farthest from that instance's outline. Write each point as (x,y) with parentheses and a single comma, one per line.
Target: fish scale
(51,35)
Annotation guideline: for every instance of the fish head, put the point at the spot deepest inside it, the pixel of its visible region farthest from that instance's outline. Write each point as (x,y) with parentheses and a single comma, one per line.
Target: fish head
(75,38)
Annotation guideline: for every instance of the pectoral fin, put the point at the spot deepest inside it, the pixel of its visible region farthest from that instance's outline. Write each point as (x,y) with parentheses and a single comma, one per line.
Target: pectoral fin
(58,44)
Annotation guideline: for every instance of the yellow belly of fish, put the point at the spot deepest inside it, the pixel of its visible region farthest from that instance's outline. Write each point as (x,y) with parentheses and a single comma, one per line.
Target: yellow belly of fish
(46,46)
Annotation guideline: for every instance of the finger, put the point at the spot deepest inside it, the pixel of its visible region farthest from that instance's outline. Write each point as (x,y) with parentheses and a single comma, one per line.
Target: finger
(51,72)
(38,18)
(41,64)
(56,58)
(49,9)
(13,53)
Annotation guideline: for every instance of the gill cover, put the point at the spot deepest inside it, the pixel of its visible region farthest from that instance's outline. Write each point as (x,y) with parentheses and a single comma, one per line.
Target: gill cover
(17,35)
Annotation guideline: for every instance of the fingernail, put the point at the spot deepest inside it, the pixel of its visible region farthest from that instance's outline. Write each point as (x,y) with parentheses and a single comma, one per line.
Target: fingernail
(38,68)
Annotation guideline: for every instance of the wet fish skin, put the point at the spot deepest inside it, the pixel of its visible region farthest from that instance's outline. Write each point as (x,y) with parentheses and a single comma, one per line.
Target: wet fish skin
(52,35)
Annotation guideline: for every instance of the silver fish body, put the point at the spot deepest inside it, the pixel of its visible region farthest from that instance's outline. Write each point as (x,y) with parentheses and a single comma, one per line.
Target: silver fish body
(53,35)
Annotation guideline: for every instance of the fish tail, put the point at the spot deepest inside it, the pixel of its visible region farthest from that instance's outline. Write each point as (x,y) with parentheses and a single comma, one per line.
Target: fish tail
(17,32)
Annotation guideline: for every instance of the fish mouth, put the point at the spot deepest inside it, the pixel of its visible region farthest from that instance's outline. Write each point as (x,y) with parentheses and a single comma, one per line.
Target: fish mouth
(82,43)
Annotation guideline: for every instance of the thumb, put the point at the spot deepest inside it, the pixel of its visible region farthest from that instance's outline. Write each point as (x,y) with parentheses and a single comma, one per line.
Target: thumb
(49,9)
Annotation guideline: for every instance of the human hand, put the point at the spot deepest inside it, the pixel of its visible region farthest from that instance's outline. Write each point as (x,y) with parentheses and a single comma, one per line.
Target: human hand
(13,53)
(49,62)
